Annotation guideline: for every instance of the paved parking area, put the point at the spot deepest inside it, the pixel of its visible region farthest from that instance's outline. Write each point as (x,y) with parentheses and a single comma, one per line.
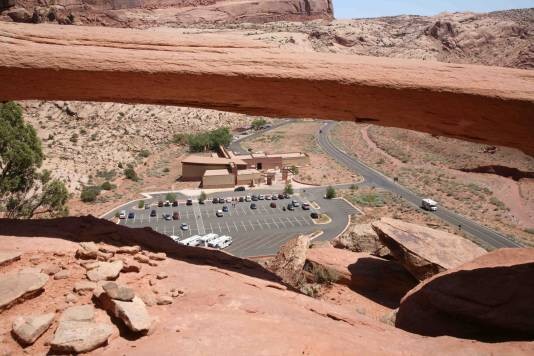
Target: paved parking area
(255,232)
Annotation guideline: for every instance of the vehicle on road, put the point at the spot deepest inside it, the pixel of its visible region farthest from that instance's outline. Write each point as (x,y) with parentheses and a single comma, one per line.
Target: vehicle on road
(273,205)
(189,202)
(314,215)
(176,215)
(153,213)
(290,207)
(239,189)
(305,206)
(122,214)
(219,213)
(184,226)
(429,204)
(175,203)
(295,203)
(167,217)
(221,242)
(131,215)
(206,239)
(167,203)
(192,241)
(253,206)
(160,203)
(225,209)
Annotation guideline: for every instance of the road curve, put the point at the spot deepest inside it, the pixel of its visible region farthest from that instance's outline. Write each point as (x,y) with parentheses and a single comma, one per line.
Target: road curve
(374,178)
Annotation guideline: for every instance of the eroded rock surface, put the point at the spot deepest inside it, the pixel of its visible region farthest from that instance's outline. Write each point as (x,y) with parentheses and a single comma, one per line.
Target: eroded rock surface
(361,238)
(17,286)
(28,328)
(105,271)
(6,257)
(423,251)
(289,261)
(488,299)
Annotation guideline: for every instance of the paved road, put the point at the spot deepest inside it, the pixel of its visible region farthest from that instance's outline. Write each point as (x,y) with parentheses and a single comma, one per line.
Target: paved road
(236,147)
(374,178)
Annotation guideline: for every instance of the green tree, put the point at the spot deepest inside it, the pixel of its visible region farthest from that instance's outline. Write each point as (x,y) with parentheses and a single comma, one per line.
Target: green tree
(288,189)
(258,123)
(89,193)
(202,196)
(170,197)
(330,192)
(107,186)
(353,187)
(141,204)
(24,191)
(294,169)
(210,140)
(130,173)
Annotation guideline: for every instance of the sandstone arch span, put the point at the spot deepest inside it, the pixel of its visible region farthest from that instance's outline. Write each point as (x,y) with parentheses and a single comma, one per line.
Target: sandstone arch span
(234,73)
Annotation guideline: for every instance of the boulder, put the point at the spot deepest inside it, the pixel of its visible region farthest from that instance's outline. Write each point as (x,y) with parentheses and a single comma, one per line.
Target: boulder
(6,257)
(164,300)
(489,299)
(104,256)
(51,269)
(15,287)
(130,250)
(107,249)
(290,260)
(161,275)
(79,313)
(114,291)
(106,271)
(27,329)
(90,264)
(361,238)
(19,15)
(71,298)
(383,281)
(133,313)
(131,266)
(84,286)
(141,258)
(423,251)
(160,256)
(87,251)
(63,274)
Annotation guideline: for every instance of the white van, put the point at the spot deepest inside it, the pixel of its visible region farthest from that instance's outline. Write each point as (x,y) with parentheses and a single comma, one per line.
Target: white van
(429,204)
(192,241)
(222,242)
(122,214)
(206,239)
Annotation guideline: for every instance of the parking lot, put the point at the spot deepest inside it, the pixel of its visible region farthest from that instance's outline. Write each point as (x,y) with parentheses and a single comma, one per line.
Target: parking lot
(259,231)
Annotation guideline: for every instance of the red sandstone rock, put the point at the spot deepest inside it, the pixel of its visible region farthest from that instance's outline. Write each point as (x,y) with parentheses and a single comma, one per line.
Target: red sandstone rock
(235,73)
(490,298)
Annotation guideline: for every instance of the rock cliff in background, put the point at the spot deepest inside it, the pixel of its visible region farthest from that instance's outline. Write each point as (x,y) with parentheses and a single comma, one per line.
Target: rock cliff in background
(487,299)
(99,64)
(144,13)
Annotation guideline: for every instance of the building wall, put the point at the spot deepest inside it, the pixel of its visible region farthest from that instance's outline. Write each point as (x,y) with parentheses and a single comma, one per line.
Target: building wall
(226,181)
(194,172)
(247,179)
(266,162)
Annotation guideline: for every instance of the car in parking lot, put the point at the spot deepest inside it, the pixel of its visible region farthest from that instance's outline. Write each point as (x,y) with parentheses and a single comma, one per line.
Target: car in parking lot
(122,214)
(160,203)
(273,205)
(176,215)
(248,198)
(314,215)
(241,199)
(280,196)
(239,189)
(295,203)
(175,203)
(131,215)
(254,198)
(305,206)
(219,213)
(215,200)
(275,197)
(286,196)
(167,203)
(253,206)
(189,202)
(261,197)
(167,216)
(201,201)
(228,200)
(268,197)
(184,226)
(225,209)
(153,213)
(290,207)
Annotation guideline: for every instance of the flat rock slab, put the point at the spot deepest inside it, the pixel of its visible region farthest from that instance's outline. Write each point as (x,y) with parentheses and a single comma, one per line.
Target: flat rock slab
(6,257)
(80,336)
(105,271)
(79,313)
(28,328)
(133,313)
(15,287)
(423,251)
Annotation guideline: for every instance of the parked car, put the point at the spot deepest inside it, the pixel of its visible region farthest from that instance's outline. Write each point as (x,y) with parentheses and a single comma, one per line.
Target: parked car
(275,197)
(215,200)
(273,205)
(219,213)
(122,214)
(160,203)
(153,213)
(221,200)
(225,209)
(175,203)
(248,198)
(131,215)
(201,201)
(314,215)
(228,200)
(254,198)
(147,206)
(241,199)
(239,189)
(167,216)
(280,196)
(286,196)
(268,197)
(290,207)
(305,206)
(253,206)
(261,197)
(167,203)
(184,226)
(295,203)
(176,215)
(189,202)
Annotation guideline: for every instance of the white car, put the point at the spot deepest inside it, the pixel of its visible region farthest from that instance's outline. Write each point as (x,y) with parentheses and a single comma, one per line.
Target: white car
(219,213)
(248,198)
(184,227)
(261,197)
(229,199)
(122,214)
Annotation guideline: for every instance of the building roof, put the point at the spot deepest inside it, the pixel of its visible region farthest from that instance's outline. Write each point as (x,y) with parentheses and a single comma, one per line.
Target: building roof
(248,171)
(216,172)
(196,159)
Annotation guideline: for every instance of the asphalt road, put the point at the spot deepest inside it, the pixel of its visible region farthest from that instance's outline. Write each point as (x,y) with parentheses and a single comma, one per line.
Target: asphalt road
(374,178)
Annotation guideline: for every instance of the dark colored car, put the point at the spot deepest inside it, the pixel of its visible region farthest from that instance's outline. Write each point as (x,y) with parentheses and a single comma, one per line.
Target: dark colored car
(280,196)
(254,198)
(201,201)
(314,215)
(273,205)
(131,215)
(253,206)
(175,203)
(167,203)
(225,209)
(153,213)
(167,216)
(215,200)
(221,200)
(241,199)
(176,215)
(189,202)
(305,206)
(274,197)
(286,196)
(239,189)
(160,203)
(290,207)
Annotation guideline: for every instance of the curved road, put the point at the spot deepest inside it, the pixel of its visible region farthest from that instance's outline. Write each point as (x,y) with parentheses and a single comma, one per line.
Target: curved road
(374,178)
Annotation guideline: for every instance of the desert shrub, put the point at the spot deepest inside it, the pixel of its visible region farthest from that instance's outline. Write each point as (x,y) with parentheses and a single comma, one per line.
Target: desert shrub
(529,231)
(89,193)
(499,204)
(107,175)
(144,153)
(130,173)
(202,196)
(324,275)
(288,189)
(330,192)
(141,204)
(74,138)
(258,123)
(166,170)
(179,139)
(369,199)
(108,186)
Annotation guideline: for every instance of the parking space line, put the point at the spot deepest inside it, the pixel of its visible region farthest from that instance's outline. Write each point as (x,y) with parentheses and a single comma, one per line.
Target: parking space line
(235,226)
(244,227)
(260,225)
(252,226)
(274,222)
(282,222)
